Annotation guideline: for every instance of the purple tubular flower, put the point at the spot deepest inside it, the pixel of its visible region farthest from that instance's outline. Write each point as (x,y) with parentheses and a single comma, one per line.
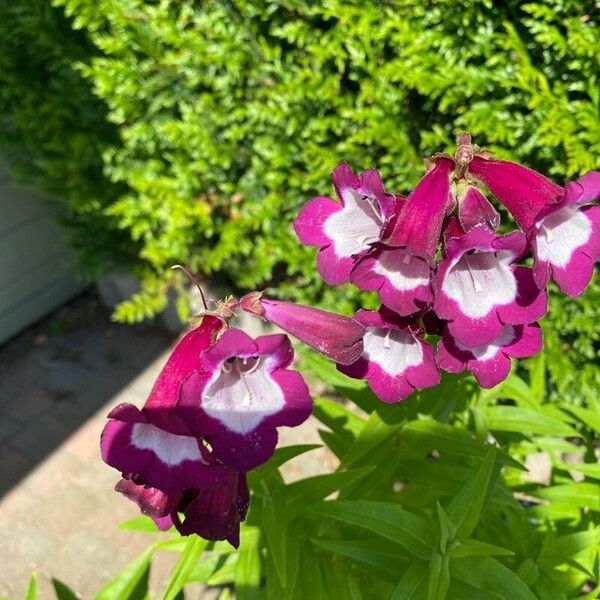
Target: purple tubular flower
(523,191)
(566,237)
(215,514)
(395,361)
(474,209)
(345,230)
(490,363)
(402,280)
(161,459)
(420,221)
(336,336)
(478,290)
(242,392)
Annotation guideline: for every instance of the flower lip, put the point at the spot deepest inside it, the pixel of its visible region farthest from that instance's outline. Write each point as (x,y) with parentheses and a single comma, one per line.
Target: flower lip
(169,462)
(490,363)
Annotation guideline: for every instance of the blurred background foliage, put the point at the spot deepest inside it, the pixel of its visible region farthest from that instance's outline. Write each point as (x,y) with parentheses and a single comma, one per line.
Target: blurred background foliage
(191,132)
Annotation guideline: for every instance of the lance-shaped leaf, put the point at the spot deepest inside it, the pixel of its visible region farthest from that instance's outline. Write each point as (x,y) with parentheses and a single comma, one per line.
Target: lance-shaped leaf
(336,336)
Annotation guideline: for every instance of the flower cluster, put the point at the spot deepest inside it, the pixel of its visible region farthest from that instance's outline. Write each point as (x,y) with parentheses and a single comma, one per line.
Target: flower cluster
(440,266)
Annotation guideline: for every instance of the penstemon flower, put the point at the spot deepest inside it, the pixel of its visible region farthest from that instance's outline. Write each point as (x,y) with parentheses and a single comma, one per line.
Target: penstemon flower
(478,290)
(562,224)
(240,394)
(395,360)
(344,230)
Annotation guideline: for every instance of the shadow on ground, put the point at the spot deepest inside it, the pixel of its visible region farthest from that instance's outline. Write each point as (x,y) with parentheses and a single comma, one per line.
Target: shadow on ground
(58,373)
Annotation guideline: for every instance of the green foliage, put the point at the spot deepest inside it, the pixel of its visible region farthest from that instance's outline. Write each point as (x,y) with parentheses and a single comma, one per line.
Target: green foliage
(430,501)
(225,116)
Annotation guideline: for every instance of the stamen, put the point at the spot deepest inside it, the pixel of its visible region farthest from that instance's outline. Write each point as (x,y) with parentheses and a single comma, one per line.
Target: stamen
(227,367)
(386,340)
(374,206)
(549,234)
(252,368)
(476,284)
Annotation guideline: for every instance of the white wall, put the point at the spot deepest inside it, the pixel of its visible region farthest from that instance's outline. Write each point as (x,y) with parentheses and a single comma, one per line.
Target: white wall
(36,270)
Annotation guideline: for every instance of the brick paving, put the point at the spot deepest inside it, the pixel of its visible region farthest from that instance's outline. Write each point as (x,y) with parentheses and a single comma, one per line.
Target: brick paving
(58,510)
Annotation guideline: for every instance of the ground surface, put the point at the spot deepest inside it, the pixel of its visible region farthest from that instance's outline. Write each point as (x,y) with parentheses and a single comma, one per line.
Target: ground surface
(58,510)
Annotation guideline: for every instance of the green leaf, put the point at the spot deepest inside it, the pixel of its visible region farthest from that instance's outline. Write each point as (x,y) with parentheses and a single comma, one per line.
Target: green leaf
(184,567)
(568,546)
(487,574)
(131,583)
(438,581)
(429,435)
(338,418)
(526,420)
(412,584)
(587,416)
(62,591)
(473,547)
(385,519)
(274,525)
(286,453)
(31,592)
(377,553)
(465,508)
(446,528)
(301,495)
(576,495)
(374,432)
(247,574)
(141,523)
(537,376)
(225,594)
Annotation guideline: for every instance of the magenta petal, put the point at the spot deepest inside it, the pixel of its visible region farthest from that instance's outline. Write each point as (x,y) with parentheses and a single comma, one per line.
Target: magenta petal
(419,224)
(183,360)
(585,189)
(530,304)
(527,342)
(333,268)
(215,514)
(151,501)
(523,191)
(474,332)
(336,336)
(344,178)
(402,280)
(566,242)
(474,209)
(244,452)
(491,372)
(164,460)
(308,225)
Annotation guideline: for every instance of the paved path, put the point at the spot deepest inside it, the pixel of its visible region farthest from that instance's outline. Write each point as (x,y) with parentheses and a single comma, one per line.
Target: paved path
(58,510)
